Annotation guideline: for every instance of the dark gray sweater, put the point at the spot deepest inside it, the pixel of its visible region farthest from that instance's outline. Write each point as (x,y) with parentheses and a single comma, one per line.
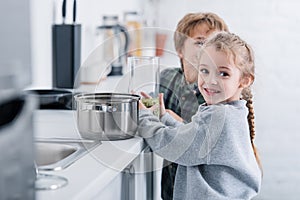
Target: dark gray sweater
(214,153)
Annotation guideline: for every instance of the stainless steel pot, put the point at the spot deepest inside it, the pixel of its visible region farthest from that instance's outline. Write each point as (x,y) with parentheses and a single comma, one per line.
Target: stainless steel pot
(107,116)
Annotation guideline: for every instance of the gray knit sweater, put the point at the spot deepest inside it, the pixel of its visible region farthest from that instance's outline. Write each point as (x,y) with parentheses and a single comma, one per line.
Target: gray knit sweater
(214,153)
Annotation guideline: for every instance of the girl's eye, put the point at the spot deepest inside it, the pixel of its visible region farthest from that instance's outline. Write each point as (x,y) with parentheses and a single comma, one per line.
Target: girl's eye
(224,74)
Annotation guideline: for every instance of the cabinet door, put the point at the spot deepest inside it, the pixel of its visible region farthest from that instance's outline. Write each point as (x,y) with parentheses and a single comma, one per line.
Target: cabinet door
(142,168)
(112,190)
(135,182)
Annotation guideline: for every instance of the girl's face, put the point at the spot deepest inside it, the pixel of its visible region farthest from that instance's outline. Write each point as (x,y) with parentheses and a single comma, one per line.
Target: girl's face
(219,80)
(190,49)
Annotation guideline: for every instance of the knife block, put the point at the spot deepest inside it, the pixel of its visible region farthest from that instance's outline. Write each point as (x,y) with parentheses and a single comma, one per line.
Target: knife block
(66,52)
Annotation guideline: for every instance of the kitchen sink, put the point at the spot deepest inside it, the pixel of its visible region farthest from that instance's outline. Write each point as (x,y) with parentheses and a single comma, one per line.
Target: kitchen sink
(57,154)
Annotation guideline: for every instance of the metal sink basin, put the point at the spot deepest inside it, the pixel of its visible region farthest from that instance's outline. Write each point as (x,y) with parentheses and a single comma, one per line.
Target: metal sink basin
(57,154)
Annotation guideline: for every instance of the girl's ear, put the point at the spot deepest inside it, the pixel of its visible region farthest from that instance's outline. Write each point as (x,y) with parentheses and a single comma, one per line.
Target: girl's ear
(246,82)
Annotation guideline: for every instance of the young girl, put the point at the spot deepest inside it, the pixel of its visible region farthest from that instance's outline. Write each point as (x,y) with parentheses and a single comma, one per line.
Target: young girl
(215,152)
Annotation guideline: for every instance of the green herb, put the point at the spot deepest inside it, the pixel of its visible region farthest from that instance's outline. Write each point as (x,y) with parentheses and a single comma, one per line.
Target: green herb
(149,102)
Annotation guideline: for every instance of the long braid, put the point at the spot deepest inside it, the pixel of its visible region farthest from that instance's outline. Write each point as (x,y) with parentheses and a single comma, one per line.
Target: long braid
(247,95)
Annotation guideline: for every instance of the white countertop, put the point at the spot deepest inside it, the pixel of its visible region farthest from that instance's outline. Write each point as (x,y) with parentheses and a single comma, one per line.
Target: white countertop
(91,173)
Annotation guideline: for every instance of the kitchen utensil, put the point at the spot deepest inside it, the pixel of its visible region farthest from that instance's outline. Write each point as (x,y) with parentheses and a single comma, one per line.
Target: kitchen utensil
(116,43)
(64,9)
(48,181)
(160,42)
(66,50)
(107,116)
(54,98)
(74,11)
(133,22)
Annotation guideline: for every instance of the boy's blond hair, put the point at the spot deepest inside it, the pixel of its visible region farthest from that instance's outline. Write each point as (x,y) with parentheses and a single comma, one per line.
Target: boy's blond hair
(187,24)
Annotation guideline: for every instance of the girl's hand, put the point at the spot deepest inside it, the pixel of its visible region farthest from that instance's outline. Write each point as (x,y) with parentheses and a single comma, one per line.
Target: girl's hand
(142,106)
(161,104)
(145,95)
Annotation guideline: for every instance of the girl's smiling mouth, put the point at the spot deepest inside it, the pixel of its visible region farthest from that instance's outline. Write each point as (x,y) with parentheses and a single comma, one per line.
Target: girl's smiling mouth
(211,92)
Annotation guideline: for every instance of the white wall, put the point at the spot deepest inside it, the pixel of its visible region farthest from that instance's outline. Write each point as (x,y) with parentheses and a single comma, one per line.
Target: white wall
(89,15)
(272,28)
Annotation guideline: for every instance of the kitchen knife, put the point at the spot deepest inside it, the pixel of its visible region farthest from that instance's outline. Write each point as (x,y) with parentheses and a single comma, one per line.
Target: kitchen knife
(74,11)
(64,8)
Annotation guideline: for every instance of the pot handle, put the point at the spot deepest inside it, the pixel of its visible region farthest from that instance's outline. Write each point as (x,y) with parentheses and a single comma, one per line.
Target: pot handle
(100,108)
(124,30)
(65,99)
(111,109)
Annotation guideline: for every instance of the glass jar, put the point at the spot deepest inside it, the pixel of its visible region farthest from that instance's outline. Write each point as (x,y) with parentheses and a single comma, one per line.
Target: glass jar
(144,77)
(133,23)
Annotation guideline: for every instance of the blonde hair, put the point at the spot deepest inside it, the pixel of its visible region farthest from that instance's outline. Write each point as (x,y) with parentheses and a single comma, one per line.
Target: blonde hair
(188,23)
(243,57)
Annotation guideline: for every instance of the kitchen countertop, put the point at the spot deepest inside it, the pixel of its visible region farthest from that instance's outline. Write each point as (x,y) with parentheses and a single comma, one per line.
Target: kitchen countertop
(92,172)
